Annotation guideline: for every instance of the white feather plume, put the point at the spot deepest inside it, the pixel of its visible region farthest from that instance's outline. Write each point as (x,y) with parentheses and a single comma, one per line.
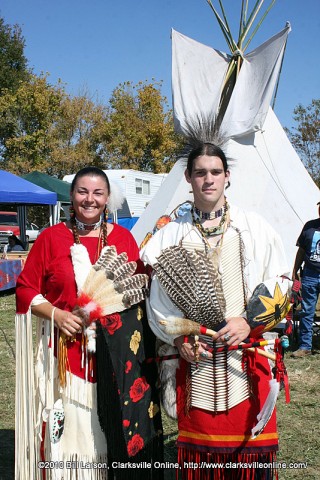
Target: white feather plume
(167,374)
(91,336)
(116,197)
(264,416)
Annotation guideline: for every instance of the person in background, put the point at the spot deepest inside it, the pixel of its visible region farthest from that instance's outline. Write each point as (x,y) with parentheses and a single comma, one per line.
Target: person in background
(94,405)
(308,255)
(13,245)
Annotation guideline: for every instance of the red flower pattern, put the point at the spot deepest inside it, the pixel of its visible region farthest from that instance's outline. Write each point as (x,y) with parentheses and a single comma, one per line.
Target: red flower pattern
(126,423)
(135,445)
(138,389)
(128,366)
(111,322)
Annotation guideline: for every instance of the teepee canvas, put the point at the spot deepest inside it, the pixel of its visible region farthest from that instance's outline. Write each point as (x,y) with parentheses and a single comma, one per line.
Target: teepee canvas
(267,176)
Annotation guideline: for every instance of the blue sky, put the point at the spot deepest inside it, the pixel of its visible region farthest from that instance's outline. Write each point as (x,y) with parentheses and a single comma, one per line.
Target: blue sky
(97,44)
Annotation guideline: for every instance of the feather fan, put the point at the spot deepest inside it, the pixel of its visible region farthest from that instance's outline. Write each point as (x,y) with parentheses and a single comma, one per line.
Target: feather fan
(109,286)
(193,283)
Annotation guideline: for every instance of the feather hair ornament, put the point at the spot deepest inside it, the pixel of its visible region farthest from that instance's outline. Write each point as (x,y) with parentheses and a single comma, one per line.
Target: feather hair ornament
(201,129)
(106,287)
(116,197)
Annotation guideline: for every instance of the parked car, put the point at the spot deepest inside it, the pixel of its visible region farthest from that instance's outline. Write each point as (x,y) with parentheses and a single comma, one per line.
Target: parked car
(32,231)
(9,226)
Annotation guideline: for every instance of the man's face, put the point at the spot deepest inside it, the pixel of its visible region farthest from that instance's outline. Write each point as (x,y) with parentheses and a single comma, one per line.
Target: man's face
(208,180)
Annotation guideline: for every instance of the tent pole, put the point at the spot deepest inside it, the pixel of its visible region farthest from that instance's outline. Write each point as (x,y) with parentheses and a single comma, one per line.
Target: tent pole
(22,218)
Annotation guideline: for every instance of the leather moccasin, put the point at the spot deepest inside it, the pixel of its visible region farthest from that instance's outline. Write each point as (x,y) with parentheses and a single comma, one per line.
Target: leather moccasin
(301,353)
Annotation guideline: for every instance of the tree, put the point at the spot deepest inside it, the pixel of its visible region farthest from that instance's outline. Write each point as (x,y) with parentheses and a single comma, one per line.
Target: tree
(139,131)
(42,128)
(305,137)
(27,118)
(76,135)
(13,63)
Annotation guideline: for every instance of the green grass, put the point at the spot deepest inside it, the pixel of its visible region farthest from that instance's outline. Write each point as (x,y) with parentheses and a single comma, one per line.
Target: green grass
(298,421)
(7,382)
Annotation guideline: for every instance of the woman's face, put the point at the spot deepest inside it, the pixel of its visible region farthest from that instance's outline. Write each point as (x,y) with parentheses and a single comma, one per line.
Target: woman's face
(89,198)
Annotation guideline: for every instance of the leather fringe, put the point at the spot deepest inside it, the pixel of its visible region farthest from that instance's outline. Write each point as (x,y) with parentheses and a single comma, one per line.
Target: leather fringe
(63,362)
(196,465)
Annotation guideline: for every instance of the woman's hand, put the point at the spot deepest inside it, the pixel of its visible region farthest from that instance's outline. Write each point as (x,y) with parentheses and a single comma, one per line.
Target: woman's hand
(235,332)
(69,323)
(187,349)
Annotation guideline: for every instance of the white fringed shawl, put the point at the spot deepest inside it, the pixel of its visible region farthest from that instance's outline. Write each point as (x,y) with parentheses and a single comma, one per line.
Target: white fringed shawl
(34,392)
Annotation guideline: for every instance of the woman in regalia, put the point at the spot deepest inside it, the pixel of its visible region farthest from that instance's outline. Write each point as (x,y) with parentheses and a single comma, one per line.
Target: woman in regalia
(87,407)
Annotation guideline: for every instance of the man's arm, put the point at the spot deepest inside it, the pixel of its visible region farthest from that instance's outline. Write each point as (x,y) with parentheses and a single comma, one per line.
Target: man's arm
(298,262)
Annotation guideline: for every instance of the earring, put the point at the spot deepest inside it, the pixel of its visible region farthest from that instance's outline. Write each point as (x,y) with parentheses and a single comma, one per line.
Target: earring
(228,184)
(106,213)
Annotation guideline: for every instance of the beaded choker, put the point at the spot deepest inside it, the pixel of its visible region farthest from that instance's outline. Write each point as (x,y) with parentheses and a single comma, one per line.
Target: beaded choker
(216,230)
(208,216)
(87,226)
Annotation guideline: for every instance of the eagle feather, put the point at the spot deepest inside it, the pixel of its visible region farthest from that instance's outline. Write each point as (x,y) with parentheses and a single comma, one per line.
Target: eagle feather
(110,285)
(193,283)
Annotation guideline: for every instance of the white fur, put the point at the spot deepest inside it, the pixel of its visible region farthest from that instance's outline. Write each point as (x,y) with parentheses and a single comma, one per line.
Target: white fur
(89,307)
(167,373)
(91,336)
(81,263)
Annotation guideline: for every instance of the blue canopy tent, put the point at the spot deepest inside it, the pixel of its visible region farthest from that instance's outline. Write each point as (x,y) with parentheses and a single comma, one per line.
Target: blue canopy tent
(16,190)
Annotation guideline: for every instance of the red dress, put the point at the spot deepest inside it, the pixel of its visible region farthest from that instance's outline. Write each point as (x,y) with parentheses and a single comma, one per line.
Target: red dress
(49,271)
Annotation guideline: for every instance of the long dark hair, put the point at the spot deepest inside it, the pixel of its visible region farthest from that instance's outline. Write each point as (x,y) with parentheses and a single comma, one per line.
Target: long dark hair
(206,148)
(92,172)
(16,240)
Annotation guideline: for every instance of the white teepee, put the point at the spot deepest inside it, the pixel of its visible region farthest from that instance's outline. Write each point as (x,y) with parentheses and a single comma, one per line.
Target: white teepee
(267,176)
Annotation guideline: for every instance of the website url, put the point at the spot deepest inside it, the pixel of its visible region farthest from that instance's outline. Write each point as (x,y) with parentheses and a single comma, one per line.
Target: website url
(255,465)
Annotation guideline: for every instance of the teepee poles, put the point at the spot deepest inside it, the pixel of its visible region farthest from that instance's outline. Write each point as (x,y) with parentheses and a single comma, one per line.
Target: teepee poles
(237,48)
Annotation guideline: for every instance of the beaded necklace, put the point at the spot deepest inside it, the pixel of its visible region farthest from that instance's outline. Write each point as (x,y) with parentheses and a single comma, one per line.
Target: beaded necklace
(102,239)
(210,231)
(208,216)
(87,226)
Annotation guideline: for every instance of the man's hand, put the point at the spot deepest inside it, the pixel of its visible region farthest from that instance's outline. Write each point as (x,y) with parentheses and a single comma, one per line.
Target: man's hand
(186,349)
(235,332)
